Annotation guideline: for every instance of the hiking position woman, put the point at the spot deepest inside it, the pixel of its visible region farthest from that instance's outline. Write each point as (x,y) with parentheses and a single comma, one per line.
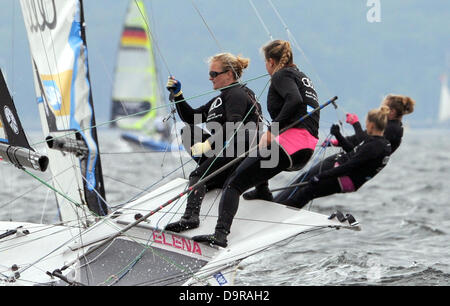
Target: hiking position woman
(351,170)
(235,104)
(291,95)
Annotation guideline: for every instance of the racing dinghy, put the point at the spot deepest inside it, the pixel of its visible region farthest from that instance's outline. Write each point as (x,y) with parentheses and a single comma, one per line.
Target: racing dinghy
(94,244)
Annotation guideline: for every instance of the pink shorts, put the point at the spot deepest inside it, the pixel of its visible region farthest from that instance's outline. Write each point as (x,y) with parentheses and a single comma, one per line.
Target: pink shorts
(345,182)
(295,139)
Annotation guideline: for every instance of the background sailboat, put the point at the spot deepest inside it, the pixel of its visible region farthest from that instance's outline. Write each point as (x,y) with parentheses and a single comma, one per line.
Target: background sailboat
(444,103)
(137,96)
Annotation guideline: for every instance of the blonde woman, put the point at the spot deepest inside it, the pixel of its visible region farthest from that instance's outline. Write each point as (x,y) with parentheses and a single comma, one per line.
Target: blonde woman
(399,105)
(291,95)
(235,104)
(349,171)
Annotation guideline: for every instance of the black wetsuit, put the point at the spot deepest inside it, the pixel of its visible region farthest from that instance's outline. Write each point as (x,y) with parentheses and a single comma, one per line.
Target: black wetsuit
(290,95)
(393,133)
(360,165)
(235,104)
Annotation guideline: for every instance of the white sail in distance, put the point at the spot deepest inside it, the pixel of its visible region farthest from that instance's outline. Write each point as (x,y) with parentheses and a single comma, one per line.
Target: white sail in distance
(444,105)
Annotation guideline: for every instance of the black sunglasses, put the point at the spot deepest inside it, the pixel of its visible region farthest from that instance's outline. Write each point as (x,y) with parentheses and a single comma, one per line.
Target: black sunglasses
(214,74)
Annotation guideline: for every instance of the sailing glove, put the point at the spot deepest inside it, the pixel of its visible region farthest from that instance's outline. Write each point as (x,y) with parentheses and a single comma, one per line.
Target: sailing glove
(330,142)
(351,118)
(200,148)
(175,85)
(334,130)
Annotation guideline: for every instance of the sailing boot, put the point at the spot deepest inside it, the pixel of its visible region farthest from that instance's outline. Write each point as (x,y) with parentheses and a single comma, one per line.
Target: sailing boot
(219,238)
(220,234)
(190,218)
(260,192)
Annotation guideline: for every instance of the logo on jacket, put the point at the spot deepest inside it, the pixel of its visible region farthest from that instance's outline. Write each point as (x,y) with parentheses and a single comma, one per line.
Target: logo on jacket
(307,82)
(215,104)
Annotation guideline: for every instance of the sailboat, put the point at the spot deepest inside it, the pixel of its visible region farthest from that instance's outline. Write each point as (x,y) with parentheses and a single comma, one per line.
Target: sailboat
(444,103)
(93,245)
(136,97)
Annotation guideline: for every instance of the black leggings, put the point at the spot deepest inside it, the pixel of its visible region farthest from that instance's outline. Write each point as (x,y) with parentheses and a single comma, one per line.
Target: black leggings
(324,165)
(206,166)
(304,194)
(249,174)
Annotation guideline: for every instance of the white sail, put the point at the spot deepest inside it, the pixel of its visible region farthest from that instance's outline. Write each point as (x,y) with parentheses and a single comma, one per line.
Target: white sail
(59,58)
(444,106)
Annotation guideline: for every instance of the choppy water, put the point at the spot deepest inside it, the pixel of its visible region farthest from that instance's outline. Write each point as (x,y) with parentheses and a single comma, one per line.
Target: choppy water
(404,213)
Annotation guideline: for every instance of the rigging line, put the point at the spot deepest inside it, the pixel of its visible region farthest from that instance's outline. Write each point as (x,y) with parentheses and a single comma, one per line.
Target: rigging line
(234,134)
(220,170)
(207,26)
(320,171)
(67,122)
(152,185)
(142,112)
(297,46)
(96,192)
(213,36)
(223,149)
(44,207)
(52,188)
(148,246)
(261,20)
(151,36)
(130,265)
(33,189)
(204,274)
(174,127)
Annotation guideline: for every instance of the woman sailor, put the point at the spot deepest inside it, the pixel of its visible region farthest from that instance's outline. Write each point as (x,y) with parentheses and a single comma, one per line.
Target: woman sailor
(349,171)
(235,104)
(290,96)
(399,105)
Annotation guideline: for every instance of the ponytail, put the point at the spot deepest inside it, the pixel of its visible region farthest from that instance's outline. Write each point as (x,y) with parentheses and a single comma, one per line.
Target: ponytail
(379,117)
(281,52)
(402,105)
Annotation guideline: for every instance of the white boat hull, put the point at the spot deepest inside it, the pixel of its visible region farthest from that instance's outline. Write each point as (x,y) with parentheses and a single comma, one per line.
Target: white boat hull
(145,254)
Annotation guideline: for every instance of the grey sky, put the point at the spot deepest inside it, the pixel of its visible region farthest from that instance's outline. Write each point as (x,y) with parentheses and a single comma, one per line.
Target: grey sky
(342,52)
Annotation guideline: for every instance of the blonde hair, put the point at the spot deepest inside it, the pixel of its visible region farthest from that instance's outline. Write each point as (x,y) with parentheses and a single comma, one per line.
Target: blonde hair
(236,64)
(403,105)
(281,52)
(379,117)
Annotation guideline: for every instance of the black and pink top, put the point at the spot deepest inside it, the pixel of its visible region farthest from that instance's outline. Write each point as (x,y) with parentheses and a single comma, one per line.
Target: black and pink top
(291,96)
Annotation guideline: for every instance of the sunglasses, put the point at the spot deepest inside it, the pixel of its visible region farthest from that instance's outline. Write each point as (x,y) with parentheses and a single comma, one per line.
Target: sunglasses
(214,74)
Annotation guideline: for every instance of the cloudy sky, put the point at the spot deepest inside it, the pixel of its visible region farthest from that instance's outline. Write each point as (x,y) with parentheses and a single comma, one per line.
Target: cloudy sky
(356,49)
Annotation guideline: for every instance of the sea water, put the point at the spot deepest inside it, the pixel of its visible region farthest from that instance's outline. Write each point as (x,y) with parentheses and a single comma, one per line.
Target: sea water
(404,213)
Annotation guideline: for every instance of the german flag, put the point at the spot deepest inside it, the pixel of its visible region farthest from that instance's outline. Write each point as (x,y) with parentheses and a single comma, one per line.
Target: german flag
(134,38)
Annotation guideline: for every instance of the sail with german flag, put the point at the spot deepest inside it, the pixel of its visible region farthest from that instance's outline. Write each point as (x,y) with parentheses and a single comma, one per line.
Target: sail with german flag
(136,91)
